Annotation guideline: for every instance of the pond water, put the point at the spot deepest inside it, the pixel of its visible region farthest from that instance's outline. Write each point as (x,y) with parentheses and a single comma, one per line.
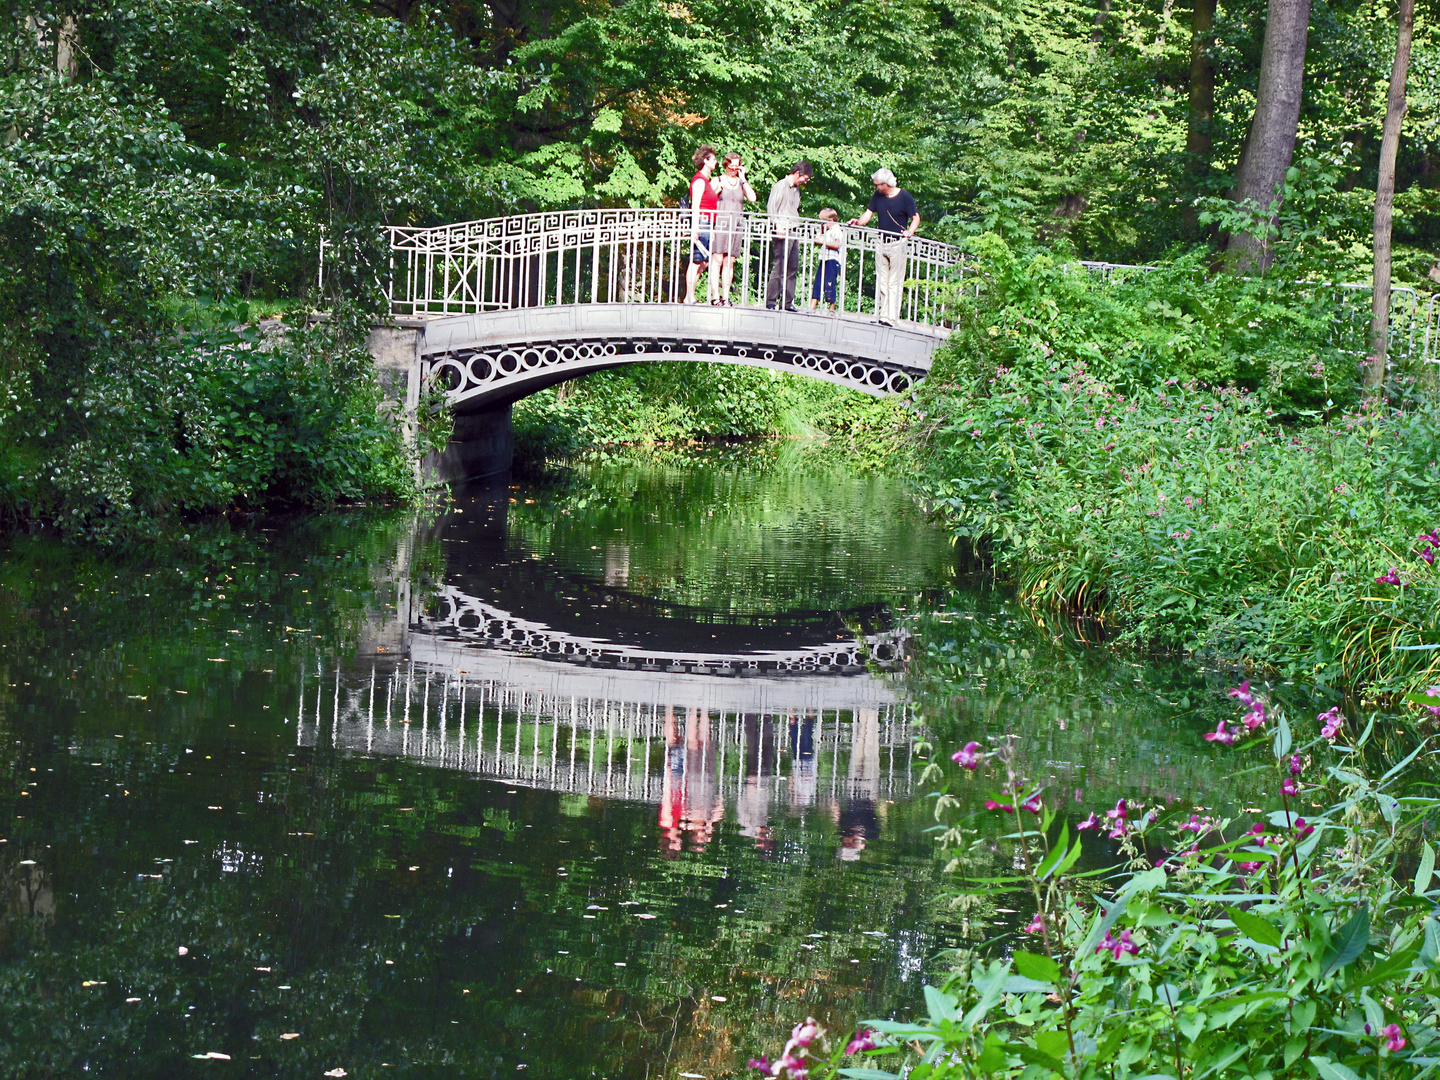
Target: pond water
(609,775)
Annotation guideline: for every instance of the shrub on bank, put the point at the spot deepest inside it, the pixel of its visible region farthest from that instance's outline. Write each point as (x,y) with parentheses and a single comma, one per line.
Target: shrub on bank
(1300,940)
(203,423)
(1193,517)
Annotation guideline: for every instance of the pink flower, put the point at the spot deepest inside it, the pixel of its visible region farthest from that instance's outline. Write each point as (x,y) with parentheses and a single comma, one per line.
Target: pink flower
(1120,813)
(967,757)
(1255,717)
(1391,578)
(1091,822)
(1432,537)
(1118,946)
(1428,555)
(1193,825)
(864,1040)
(1288,786)
(1242,693)
(1036,925)
(1033,803)
(1302,829)
(1118,832)
(791,1062)
(1220,735)
(1004,808)
(1255,830)
(1331,721)
(1296,765)
(1433,710)
(804,1034)
(761,1063)
(1249,867)
(1393,1041)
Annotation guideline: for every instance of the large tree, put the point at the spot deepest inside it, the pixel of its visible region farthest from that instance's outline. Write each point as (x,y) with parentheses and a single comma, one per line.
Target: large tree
(1270,144)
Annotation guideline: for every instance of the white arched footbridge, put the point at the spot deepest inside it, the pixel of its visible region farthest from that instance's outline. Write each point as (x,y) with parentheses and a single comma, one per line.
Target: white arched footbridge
(508,306)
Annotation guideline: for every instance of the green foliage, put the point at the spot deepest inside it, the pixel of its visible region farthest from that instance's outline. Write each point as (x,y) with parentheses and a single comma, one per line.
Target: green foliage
(207,422)
(1190,517)
(675,402)
(1300,942)
(1036,315)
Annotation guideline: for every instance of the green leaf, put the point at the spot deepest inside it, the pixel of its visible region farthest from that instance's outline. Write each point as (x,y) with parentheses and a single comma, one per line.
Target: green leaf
(1333,1070)
(1282,737)
(992,1058)
(868,1074)
(1426,869)
(1056,854)
(1031,1056)
(1054,1043)
(1019,984)
(1254,927)
(940,1004)
(1033,966)
(1348,943)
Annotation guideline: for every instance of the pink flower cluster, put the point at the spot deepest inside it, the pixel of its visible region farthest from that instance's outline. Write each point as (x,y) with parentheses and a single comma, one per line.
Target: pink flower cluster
(864,1040)
(792,1058)
(1330,722)
(1118,946)
(1432,542)
(1393,1040)
(1433,710)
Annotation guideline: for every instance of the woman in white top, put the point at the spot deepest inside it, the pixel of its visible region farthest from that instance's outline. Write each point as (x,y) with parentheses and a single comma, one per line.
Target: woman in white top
(733,192)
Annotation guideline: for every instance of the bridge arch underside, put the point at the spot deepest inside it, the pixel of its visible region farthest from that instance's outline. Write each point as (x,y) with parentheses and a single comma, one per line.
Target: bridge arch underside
(492,359)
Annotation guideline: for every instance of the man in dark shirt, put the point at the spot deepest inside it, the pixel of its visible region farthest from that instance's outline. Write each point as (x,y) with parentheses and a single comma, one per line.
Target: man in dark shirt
(896,218)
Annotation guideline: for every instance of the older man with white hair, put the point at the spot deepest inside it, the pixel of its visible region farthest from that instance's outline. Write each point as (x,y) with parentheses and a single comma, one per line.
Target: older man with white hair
(896,218)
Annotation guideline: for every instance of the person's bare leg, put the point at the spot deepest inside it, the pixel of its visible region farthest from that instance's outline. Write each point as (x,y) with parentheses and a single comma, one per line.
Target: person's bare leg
(692,275)
(727,276)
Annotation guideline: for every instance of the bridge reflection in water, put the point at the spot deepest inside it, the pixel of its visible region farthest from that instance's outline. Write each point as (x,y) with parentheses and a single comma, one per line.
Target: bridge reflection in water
(694,745)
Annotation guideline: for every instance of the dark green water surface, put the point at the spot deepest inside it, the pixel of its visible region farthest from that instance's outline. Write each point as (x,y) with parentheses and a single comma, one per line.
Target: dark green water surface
(609,776)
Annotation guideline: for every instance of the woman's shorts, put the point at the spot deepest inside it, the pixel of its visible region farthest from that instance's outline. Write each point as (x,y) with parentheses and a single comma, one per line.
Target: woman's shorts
(827,274)
(700,250)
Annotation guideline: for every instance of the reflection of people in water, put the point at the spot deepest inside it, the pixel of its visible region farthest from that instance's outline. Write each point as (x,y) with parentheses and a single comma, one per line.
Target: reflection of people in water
(690,798)
(802,761)
(753,804)
(855,812)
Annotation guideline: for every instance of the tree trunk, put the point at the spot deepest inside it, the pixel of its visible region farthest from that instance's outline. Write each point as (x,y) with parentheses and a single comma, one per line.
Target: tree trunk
(1199,139)
(1270,145)
(1385,200)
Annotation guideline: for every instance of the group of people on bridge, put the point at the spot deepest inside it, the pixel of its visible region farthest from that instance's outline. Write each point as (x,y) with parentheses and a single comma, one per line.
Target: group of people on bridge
(719,234)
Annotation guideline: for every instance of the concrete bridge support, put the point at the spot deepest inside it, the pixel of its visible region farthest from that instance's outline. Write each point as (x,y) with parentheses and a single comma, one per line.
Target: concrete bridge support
(482,443)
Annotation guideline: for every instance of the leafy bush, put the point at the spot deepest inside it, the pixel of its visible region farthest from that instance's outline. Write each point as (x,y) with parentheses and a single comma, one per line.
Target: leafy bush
(1040,313)
(208,422)
(649,403)
(1192,517)
(1300,942)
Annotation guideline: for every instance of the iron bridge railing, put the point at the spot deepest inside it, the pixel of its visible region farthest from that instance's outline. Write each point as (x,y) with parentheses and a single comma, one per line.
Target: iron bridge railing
(641,256)
(634,256)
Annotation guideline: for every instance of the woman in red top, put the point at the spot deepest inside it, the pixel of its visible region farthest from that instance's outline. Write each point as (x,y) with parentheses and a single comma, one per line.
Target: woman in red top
(702,216)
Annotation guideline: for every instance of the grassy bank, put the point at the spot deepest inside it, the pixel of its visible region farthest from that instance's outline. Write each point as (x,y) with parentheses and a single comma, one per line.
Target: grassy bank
(1188,459)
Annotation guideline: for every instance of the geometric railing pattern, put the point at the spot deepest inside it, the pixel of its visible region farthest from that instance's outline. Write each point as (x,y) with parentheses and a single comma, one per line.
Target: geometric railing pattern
(631,256)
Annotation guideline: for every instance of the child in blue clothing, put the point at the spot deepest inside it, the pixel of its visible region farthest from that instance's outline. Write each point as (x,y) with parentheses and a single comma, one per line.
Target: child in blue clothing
(827,270)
